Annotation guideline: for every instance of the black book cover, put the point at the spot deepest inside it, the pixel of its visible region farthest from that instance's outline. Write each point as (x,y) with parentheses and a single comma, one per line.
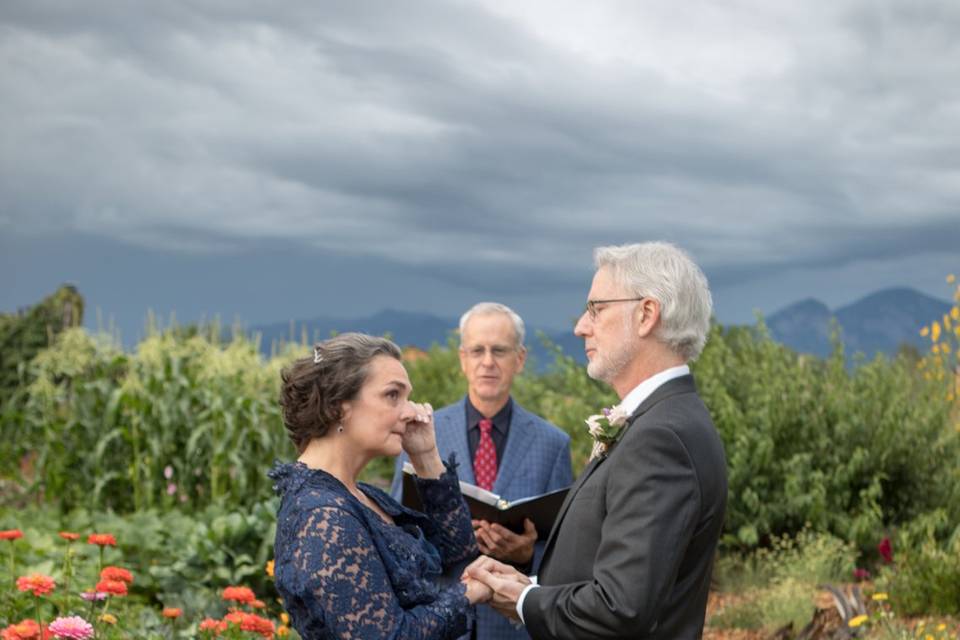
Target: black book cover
(485,505)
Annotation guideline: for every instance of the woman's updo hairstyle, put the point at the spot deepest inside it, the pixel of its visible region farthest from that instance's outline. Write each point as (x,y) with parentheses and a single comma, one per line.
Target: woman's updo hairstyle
(315,388)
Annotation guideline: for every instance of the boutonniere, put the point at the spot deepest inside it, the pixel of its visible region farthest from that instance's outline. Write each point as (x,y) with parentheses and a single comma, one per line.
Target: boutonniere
(605,428)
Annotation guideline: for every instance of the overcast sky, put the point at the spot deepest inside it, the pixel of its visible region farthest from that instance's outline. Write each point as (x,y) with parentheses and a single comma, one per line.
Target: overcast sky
(268,161)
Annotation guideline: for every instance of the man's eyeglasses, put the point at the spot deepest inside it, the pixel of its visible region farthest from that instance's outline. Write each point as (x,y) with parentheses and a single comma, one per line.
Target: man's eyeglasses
(592,310)
(499,352)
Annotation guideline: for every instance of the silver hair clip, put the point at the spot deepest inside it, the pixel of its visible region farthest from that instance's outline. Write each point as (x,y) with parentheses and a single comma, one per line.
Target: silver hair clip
(317,356)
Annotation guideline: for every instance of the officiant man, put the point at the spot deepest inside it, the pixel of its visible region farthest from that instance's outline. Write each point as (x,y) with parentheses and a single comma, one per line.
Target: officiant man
(501,446)
(631,552)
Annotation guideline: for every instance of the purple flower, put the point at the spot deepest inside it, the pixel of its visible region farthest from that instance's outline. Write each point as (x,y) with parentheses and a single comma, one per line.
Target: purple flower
(861,574)
(91,596)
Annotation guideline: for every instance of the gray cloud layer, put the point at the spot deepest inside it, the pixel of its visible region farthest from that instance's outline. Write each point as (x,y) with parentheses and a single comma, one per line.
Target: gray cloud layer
(765,139)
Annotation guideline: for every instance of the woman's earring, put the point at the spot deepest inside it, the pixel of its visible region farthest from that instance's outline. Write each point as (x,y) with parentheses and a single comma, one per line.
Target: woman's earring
(340,428)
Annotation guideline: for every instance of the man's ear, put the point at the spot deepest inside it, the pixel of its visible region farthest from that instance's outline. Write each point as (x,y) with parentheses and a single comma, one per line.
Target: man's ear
(646,316)
(522,357)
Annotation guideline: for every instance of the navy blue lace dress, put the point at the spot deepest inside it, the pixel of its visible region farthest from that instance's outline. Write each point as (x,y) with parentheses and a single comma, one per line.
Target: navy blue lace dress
(344,572)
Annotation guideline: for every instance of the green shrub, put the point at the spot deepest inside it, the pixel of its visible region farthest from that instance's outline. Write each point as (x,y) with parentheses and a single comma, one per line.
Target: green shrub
(925,576)
(851,451)
(177,560)
(778,583)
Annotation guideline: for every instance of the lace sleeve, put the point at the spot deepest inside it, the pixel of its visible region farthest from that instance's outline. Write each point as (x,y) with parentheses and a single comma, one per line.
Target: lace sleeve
(348,593)
(451,533)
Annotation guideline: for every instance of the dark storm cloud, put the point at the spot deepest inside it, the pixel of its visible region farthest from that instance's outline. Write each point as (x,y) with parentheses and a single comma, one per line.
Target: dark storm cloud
(470,144)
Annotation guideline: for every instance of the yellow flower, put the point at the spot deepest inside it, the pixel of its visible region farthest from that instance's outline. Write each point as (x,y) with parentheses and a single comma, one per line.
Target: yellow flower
(935,331)
(955,313)
(941,627)
(270,568)
(880,596)
(945,347)
(283,631)
(859,620)
(284,618)
(936,348)
(946,322)
(109,618)
(928,637)
(925,331)
(951,278)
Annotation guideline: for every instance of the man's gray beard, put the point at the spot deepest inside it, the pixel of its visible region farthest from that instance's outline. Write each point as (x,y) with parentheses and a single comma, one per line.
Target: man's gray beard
(607,368)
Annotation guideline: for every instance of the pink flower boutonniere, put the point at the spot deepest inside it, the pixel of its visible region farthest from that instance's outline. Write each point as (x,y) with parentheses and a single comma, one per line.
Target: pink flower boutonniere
(605,428)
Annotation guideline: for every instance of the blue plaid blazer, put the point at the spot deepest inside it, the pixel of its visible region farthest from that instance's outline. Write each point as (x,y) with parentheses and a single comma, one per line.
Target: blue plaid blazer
(536,460)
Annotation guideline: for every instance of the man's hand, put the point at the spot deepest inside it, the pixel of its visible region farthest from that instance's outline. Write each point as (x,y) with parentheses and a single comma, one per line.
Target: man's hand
(501,543)
(477,592)
(506,582)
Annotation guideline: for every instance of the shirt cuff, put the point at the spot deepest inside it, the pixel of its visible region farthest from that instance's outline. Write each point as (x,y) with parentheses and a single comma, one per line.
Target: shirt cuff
(523,595)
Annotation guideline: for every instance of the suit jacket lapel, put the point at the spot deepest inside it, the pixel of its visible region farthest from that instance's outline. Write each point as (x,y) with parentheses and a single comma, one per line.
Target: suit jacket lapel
(683,384)
(518,441)
(452,436)
(588,470)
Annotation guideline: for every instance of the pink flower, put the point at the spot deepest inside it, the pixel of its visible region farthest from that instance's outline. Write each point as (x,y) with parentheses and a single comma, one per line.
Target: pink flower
(71,627)
(171,489)
(91,596)
(168,472)
(861,574)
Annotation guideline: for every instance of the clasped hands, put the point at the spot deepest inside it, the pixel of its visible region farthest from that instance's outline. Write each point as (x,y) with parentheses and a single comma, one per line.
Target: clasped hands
(495,583)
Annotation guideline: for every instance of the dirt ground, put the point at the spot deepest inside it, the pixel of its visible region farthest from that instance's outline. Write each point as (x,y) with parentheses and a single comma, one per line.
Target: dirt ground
(716,602)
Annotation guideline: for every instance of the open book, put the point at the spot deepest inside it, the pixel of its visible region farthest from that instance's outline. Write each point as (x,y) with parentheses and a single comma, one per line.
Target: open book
(486,505)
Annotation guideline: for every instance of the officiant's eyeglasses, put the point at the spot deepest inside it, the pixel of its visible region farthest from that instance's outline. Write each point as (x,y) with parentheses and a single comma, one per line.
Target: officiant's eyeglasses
(592,310)
(499,352)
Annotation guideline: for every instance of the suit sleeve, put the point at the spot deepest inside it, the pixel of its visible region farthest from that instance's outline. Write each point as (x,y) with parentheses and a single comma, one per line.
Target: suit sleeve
(562,473)
(651,499)
(396,487)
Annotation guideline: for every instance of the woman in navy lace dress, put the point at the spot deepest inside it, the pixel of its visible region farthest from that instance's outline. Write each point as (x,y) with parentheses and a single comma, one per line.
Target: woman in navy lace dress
(351,562)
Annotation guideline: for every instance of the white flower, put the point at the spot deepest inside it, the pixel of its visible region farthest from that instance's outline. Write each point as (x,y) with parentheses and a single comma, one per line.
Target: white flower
(594,426)
(617,416)
(605,428)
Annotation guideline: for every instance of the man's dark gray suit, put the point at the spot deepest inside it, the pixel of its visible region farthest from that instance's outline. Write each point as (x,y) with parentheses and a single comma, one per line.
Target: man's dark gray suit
(631,553)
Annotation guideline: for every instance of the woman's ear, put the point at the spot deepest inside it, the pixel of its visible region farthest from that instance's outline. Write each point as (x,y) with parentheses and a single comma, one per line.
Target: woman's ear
(345,411)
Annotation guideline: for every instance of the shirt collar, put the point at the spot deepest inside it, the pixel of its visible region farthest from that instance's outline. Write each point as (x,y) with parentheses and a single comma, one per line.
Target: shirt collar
(643,390)
(501,421)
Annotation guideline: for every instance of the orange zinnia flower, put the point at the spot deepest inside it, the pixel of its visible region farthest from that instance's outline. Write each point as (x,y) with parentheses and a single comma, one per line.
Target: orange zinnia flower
(243,595)
(67,535)
(172,612)
(102,539)
(217,626)
(251,622)
(113,587)
(11,534)
(24,630)
(38,583)
(116,573)
(258,604)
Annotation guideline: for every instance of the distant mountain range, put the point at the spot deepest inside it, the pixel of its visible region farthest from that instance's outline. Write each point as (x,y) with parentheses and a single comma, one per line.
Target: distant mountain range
(421,330)
(880,322)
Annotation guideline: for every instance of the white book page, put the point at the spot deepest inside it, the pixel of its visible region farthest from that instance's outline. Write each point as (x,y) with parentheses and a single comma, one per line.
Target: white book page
(466,489)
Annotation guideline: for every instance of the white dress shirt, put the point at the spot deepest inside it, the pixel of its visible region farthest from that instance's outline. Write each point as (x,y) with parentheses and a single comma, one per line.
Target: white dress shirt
(629,404)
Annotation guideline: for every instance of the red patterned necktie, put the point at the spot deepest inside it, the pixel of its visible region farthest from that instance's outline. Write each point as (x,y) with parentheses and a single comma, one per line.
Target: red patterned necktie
(485,460)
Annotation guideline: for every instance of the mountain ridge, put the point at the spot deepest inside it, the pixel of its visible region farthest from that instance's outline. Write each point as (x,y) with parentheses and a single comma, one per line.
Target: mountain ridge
(881,321)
